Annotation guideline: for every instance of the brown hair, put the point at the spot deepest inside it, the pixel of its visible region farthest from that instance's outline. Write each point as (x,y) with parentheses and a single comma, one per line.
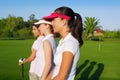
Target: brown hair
(75,22)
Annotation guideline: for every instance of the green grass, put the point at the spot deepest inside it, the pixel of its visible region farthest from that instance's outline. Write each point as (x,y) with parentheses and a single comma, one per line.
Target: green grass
(108,56)
(10,52)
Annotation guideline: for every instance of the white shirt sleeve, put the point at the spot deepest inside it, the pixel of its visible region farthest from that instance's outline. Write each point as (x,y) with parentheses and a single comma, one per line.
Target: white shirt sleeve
(35,45)
(70,46)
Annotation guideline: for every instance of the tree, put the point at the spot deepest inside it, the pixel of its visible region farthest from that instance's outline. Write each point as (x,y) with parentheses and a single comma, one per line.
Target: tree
(2,23)
(90,25)
(19,23)
(32,18)
(9,26)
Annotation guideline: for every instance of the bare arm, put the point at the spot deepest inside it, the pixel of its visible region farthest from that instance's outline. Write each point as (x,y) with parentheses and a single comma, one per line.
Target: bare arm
(48,59)
(49,77)
(65,66)
(31,57)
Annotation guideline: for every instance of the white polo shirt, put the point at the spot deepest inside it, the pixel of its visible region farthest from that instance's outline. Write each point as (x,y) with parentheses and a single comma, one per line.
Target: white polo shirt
(37,42)
(69,43)
(40,57)
(35,46)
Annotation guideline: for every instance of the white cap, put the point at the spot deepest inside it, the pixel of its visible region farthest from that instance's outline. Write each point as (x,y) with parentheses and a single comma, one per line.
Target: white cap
(42,21)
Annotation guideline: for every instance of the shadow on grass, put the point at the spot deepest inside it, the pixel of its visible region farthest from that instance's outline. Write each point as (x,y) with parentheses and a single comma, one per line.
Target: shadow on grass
(85,72)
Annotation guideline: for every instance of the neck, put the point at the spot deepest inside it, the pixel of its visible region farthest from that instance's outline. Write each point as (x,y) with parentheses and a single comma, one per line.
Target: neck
(65,32)
(47,33)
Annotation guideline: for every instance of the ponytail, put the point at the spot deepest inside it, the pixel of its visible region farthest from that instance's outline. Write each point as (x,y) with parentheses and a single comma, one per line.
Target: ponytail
(77,28)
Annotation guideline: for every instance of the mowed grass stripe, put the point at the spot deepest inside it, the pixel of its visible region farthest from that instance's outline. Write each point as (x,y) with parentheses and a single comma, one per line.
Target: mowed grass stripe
(108,55)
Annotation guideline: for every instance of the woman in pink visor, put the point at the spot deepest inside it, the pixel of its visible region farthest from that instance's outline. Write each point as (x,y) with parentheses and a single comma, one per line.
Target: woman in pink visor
(69,25)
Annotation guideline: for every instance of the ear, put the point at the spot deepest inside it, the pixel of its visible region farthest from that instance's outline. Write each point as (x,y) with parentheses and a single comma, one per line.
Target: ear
(64,22)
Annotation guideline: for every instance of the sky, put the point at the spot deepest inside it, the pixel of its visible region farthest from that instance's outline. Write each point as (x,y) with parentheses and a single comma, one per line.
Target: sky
(106,11)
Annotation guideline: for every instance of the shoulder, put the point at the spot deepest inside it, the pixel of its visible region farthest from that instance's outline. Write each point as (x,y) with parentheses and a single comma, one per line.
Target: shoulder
(71,40)
(46,43)
(70,44)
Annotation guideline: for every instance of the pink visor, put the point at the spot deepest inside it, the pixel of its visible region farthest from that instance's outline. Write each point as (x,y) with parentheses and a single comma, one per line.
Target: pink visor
(54,15)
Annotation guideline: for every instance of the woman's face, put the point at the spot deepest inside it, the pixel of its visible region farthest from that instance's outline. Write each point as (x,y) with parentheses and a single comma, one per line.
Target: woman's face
(56,23)
(35,31)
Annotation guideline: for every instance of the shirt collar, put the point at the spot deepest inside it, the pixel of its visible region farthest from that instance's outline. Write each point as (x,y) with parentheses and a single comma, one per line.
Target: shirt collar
(66,37)
(40,37)
(49,35)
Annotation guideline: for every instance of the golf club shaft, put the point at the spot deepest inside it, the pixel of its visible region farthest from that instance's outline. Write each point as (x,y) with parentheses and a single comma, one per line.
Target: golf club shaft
(23,71)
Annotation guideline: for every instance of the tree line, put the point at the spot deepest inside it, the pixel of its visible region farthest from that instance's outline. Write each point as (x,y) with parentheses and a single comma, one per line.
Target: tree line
(17,28)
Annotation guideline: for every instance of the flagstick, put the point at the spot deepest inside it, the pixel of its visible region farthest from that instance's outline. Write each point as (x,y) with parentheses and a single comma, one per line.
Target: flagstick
(99,44)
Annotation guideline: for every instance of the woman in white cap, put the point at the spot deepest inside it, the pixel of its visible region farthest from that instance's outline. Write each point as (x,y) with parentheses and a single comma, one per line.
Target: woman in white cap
(42,60)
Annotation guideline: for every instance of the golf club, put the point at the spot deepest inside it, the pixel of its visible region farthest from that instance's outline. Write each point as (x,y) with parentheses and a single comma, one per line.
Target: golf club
(23,71)
(22,67)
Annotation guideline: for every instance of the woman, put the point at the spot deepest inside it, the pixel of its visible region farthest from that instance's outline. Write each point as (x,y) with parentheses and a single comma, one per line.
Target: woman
(69,25)
(42,51)
(46,50)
